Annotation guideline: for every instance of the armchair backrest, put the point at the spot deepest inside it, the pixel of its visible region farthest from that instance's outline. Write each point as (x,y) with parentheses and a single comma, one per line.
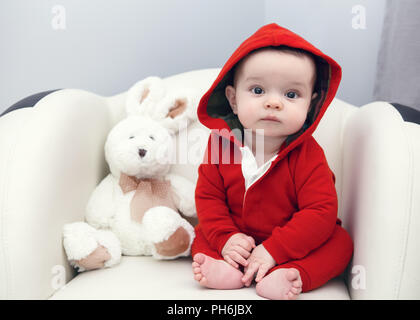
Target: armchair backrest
(329,134)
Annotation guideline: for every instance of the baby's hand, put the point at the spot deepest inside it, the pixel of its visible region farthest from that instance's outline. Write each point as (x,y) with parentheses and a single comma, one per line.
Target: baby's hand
(237,249)
(261,261)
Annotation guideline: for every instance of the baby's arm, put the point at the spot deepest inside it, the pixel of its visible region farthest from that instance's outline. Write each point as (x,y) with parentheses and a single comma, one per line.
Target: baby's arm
(210,198)
(316,218)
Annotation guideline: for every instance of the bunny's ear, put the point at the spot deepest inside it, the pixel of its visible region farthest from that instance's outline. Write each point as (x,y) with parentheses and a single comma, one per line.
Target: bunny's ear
(179,106)
(143,95)
(177,110)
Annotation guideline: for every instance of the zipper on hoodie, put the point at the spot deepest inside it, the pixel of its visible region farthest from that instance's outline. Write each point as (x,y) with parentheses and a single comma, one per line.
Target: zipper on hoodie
(253,184)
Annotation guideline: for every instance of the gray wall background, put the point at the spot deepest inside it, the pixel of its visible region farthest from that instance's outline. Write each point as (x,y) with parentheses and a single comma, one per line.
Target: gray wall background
(109,45)
(398,70)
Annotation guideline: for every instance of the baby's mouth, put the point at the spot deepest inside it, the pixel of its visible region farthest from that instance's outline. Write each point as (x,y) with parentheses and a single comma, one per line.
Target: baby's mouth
(271,118)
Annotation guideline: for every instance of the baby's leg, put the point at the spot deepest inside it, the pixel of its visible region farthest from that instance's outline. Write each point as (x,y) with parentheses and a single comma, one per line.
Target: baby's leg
(316,269)
(209,268)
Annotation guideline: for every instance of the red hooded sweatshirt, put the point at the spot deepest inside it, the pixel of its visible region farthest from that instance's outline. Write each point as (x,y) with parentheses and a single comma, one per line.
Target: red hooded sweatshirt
(292,208)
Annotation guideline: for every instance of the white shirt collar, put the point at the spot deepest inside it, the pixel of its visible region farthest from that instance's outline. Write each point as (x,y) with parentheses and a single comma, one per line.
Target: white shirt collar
(250,169)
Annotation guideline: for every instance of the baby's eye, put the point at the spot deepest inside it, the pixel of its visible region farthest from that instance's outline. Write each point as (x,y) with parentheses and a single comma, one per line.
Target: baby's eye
(292,95)
(257,90)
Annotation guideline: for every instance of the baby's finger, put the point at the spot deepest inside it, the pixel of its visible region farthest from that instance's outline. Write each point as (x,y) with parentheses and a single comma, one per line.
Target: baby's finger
(252,241)
(249,281)
(231,262)
(261,273)
(238,258)
(249,273)
(243,252)
(245,243)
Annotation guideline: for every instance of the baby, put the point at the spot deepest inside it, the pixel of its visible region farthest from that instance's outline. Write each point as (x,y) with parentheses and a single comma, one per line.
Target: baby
(273,216)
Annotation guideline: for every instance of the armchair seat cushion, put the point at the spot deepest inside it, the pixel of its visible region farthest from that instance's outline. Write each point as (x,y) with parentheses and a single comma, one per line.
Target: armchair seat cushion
(145,278)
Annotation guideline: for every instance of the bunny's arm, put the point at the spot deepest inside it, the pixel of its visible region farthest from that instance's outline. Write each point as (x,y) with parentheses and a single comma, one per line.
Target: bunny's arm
(183,190)
(101,206)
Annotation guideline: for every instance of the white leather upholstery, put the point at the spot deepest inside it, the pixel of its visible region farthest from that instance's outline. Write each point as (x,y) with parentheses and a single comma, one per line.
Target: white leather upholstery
(381,200)
(51,158)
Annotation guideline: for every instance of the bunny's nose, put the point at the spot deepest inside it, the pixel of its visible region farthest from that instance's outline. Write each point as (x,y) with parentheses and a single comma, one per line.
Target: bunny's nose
(142,152)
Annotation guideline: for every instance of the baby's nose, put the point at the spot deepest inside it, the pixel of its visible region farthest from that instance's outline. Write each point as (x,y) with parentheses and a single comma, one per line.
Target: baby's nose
(273,104)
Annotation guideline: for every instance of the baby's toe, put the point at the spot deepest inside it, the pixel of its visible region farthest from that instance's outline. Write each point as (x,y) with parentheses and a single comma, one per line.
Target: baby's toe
(297,284)
(203,281)
(292,274)
(291,296)
(295,290)
(199,258)
(198,276)
(197,270)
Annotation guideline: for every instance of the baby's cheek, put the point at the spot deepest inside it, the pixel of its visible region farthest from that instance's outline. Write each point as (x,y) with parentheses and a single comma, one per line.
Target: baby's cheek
(246,119)
(296,120)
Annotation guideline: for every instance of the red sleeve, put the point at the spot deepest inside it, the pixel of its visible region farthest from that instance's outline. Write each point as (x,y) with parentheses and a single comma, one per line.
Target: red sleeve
(210,199)
(315,220)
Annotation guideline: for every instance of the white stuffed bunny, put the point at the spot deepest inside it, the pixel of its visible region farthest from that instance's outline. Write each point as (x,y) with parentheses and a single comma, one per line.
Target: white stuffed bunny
(135,210)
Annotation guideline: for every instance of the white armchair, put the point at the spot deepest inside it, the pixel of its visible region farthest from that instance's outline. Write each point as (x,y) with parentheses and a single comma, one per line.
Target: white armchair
(52,157)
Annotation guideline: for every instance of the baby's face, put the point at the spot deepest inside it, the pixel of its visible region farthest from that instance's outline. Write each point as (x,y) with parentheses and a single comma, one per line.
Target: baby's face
(273,92)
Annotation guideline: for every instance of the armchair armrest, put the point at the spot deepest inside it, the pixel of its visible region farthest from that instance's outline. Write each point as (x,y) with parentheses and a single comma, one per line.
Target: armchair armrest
(51,158)
(381,202)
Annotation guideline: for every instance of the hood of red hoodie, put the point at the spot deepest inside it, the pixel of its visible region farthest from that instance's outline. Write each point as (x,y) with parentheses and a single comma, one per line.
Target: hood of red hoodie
(215,112)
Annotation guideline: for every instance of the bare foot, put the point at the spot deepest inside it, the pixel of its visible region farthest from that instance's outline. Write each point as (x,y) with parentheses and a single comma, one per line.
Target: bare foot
(216,274)
(281,284)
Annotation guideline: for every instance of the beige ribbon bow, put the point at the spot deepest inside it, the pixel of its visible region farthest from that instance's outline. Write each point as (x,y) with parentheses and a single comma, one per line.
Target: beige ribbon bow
(149,193)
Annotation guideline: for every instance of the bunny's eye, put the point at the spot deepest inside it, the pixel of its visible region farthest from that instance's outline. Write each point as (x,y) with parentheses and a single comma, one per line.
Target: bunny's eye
(152,137)
(131,137)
